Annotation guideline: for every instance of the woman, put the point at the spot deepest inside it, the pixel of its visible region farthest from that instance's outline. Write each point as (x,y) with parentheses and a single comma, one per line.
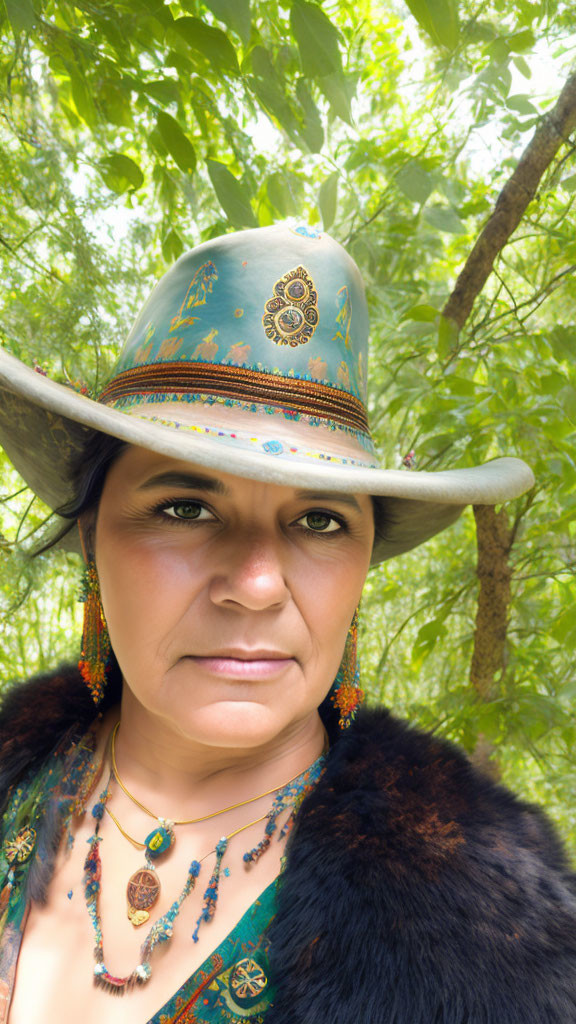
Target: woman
(222,842)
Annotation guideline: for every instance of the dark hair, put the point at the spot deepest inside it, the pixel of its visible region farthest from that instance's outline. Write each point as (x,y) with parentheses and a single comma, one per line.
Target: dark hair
(89,474)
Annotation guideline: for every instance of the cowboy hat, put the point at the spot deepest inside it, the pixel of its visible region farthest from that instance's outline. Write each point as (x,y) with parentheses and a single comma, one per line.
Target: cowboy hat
(249,356)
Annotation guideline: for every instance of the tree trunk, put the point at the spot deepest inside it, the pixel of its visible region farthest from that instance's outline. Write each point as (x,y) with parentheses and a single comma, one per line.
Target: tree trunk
(494,538)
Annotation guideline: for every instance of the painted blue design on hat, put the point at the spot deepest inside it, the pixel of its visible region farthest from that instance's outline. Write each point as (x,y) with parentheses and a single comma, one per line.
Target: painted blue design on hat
(307,232)
(273,447)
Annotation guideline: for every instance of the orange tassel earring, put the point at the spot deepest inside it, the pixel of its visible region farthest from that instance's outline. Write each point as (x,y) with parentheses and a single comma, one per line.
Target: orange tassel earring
(347,695)
(95,639)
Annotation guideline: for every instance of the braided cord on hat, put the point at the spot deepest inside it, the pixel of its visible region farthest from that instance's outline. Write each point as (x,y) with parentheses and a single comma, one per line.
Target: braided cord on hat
(236,382)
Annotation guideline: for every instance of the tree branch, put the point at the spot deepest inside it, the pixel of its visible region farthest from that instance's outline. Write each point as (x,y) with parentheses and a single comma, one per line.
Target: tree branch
(517,194)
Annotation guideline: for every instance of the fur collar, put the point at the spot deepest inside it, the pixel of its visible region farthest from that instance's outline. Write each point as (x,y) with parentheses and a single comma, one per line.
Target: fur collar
(416,891)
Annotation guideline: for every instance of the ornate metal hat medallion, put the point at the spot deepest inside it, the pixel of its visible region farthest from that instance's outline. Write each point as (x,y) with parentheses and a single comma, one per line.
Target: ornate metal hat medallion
(291,315)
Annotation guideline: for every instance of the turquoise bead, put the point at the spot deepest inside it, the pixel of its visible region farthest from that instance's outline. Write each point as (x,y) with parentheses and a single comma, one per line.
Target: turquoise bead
(159,840)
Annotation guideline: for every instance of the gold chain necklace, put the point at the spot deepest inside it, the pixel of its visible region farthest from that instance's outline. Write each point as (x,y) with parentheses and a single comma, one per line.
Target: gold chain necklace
(189,821)
(142,846)
(143,888)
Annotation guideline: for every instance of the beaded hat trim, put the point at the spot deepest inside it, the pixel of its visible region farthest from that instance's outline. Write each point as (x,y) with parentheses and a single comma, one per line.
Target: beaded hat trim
(239,383)
(271,446)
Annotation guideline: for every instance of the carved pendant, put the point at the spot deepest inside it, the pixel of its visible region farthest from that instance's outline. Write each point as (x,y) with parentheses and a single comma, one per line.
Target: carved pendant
(160,839)
(142,892)
(291,315)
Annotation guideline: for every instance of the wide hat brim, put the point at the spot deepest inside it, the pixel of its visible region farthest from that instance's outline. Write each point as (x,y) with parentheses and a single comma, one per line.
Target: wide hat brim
(45,425)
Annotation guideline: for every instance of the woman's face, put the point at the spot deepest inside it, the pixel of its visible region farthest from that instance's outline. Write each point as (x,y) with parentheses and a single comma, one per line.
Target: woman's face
(228,601)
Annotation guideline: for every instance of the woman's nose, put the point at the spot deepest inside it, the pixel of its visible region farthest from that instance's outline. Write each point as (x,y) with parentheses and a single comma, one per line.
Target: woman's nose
(251,574)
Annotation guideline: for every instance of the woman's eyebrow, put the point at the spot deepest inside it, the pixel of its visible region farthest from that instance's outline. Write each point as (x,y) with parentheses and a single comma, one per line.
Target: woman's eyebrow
(346,499)
(193,481)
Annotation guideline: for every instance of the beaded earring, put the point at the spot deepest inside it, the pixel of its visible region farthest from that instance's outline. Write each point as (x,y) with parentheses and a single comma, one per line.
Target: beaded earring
(95,651)
(347,695)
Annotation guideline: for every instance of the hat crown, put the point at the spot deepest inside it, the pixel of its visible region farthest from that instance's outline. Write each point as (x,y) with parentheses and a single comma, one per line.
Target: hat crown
(283,301)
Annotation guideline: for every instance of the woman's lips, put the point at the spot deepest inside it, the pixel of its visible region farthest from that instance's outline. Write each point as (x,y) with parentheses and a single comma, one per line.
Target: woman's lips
(242,668)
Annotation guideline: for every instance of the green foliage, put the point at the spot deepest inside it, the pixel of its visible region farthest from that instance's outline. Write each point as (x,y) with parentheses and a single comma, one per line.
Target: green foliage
(131,130)
(439,19)
(232,195)
(178,145)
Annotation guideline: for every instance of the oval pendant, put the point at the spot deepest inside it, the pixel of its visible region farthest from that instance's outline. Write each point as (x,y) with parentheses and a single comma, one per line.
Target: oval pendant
(159,840)
(142,891)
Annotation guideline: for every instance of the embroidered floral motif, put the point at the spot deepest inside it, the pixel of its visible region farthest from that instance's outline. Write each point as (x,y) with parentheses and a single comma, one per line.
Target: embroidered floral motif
(199,289)
(207,348)
(344,316)
(20,846)
(291,316)
(169,348)
(142,353)
(247,982)
(343,374)
(238,353)
(317,368)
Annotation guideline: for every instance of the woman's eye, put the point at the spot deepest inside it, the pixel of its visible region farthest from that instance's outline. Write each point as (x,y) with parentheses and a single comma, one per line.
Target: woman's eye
(320,522)
(186,510)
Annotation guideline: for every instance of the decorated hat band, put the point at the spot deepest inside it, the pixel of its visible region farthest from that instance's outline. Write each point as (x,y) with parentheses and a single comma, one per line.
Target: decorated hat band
(240,384)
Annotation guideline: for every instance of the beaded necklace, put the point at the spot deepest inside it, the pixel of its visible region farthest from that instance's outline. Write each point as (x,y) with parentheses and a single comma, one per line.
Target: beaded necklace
(144,888)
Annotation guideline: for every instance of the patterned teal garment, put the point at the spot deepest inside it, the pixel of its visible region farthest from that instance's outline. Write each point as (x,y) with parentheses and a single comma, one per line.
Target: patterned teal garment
(39,811)
(231,986)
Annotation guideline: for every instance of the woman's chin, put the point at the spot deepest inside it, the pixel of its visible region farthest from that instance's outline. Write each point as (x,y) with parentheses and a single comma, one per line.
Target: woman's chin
(241,724)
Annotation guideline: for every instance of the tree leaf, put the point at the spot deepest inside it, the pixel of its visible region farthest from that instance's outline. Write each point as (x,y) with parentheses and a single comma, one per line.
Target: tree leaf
(274,102)
(439,19)
(177,143)
(567,397)
(445,219)
(232,195)
(569,183)
(328,199)
(211,42)
(164,90)
(520,42)
(422,313)
(426,640)
(21,15)
(172,246)
(521,104)
(447,336)
(317,39)
(415,182)
(82,96)
(235,14)
(121,173)
(280,194)
(312,130)
(115,103)
(338,92)
(523,67)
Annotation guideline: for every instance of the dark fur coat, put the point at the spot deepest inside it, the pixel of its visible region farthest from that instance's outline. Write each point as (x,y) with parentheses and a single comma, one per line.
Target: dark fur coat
(416,891)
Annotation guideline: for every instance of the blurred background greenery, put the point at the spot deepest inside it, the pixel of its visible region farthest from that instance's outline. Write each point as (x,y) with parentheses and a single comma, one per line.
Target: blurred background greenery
(132,130)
